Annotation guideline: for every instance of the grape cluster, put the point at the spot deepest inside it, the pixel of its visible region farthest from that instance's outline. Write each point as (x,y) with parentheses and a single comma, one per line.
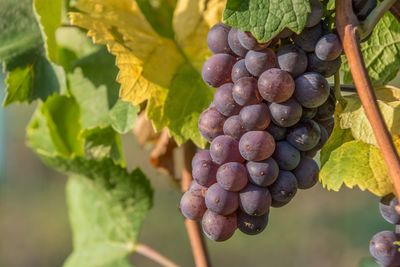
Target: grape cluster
(271,113)
(382,245)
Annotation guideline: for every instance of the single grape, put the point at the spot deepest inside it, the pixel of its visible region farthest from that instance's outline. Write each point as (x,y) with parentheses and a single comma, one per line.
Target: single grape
(325,68)
(225,149)
(308,38)
(211,124)
(259,61)
(247,40)
(323,138)
(285,114)
(251,225)
(263,173)
(316,14)
(278,204)
(387,207)
(202,154)
(306,173)
(192,206)
(327,109)
(256,145)
(286,155)
(284,188)
(328,125)
(197,189)
(204,171)
(220,200)
(234,43)
(255,117)
(328,47)
(383,249)
(239,70)
(217,39)
(292,59)
(245,91)
(255,200)
(217,69)
(305,135)
(309,113)
(233,127)
(232,176)
(277,132)
(217,227)
(312,89)
(363,13)
(276,85)
(224,102)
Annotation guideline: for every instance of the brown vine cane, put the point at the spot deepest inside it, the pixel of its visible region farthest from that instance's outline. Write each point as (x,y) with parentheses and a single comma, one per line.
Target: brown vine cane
(197,243)
(347,23)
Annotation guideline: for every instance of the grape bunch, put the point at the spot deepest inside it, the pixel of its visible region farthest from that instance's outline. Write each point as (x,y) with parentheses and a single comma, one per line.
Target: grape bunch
(272,112)
(382,245)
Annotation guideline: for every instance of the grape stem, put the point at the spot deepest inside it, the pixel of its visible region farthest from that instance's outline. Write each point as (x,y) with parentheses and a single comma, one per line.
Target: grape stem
(373,18)
(337,89)
(199,249)
(155,256)
(347,26)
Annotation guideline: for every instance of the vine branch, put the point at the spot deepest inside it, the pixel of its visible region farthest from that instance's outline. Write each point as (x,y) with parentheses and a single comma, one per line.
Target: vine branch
(199,249)
(155,256)
(347,26)
(367,26)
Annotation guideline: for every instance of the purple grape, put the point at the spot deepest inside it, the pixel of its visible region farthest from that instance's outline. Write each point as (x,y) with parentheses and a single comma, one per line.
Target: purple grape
(327,109)
(286,155)
(224,102)
(278,204)
(255,200)
(256,145)
(292,59)
(192,206)
(308,113)
(217,39)
(255,117)
(220,200)
(305,135)
(284,188)
(325,68)
(286,33)
(277,132)
(202,154)
(285,114)
(234,43)
(312,89)
(217,227)
(245,91)
(263,173)
(233,127)
(323,138)
(251,225)
(239,71)
(204,170)
(316,14)
(225,149)
(211,124)
(276,85)
(383,249)
(387,207)
(247,40)
(217,69)
(197,189)
(306,173)
(232,176)
(308,38)
(329,47)
(328,125)
(259,61)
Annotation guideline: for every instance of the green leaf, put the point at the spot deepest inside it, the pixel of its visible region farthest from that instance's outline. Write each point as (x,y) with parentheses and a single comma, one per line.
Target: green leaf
(123,116)
(381,52)
(49,14)
(353,116)
(267,18)
(355,163)
(35,79)
(19,31)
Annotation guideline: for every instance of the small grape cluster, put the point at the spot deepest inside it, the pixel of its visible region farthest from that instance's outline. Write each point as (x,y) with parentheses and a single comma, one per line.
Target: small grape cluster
(272,112)
(382,245)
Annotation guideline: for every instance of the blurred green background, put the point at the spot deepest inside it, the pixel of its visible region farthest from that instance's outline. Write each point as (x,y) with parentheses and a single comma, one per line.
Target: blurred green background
(318,229)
